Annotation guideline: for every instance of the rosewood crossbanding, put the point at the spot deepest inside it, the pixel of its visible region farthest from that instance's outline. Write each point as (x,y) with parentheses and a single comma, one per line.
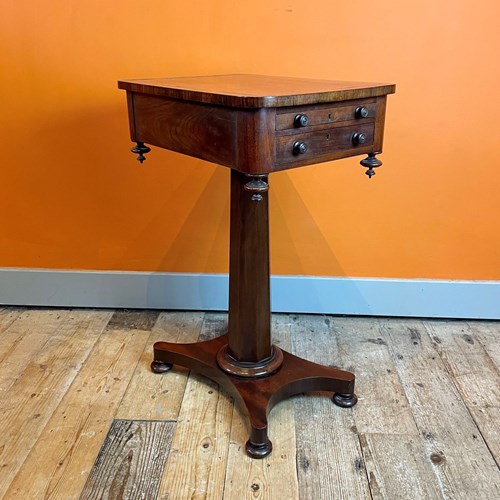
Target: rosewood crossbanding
(256,125)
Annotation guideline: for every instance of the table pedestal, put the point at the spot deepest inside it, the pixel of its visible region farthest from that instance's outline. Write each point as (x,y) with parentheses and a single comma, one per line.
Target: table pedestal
(244,361)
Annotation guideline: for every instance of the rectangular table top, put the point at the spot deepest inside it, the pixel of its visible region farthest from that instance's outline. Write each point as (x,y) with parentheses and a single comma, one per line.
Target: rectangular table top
(255,91)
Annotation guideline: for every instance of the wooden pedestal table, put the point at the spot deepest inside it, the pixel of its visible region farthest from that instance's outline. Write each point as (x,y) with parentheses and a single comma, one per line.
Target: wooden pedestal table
(256,125)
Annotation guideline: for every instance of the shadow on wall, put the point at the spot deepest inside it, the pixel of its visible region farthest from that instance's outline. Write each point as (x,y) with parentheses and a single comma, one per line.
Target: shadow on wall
(298,236)
(85,202)
(205,232)
(203,239)
(203,236)
(297,241)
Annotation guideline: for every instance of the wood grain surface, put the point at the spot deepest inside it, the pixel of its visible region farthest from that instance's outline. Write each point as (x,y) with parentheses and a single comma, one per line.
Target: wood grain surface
(255,91)
(276,475)
(462,463)
(148,396)
(61,451)
(426,425)
(247,122)
(329,457)
(326,114)
(197,462)
(249,280)
(29,405)
(131,461)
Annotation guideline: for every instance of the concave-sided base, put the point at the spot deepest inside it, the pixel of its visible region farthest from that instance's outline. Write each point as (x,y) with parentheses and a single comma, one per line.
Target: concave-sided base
(257,395)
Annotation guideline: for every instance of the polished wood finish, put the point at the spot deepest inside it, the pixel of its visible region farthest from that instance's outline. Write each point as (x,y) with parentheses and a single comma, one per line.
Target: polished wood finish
(323,144)
(205,132)
(257,395)
(329,132)
(255,146)
(326,114)
(235,138)
(379,124)
(255,91)
(256,125)
(249,295)
(254,140)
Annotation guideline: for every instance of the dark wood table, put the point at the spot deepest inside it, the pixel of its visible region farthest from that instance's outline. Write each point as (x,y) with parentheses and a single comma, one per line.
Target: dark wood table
(256,125)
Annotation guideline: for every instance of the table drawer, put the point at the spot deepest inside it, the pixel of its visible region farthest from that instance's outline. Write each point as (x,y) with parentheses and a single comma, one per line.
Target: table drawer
(303,119)
(306,146)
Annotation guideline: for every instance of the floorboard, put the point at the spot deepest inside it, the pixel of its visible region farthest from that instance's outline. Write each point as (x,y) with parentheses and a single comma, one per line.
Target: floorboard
(329,457)
(33,399)
(131,461)
(82,416)
(64,450)
(151,396)
(462,463)
(197,462)
(276,475)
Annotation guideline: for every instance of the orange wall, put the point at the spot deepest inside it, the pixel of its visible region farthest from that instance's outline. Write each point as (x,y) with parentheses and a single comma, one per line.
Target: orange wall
(73,196)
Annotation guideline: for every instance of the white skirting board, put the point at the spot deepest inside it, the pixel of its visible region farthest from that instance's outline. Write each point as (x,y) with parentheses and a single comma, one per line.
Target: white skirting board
(304,294)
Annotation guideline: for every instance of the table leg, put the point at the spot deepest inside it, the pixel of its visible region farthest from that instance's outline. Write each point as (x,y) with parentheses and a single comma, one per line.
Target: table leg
(249,295)
(244,361)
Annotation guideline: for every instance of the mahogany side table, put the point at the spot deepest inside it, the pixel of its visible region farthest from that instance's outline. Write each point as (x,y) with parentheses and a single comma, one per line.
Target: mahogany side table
(256,125)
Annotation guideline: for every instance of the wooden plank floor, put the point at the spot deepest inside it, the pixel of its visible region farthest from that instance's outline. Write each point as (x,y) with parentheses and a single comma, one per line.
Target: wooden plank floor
(82,416)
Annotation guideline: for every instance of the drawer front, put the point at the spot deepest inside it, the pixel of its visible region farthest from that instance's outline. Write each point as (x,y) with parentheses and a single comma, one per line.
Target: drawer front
(359,111)
(337,142)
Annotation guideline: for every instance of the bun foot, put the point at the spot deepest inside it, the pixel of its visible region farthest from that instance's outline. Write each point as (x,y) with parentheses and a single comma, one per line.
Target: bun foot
(345,400)
(260,450)
(160,367)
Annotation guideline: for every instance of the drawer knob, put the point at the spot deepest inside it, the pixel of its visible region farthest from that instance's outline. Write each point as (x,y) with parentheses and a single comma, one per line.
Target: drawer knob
(299,148)
(301,120)
(358,138)
(361,112)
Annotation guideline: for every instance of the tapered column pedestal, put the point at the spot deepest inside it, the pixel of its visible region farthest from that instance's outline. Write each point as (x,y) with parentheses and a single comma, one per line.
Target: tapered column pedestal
(244,361)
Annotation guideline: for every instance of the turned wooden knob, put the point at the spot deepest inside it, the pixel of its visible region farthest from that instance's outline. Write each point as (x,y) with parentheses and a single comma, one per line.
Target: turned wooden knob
(299,148)
(361,112)
(301,120)
(358,138)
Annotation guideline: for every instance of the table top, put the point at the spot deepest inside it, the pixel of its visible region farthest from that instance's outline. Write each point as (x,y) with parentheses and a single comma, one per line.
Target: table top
(255,91)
